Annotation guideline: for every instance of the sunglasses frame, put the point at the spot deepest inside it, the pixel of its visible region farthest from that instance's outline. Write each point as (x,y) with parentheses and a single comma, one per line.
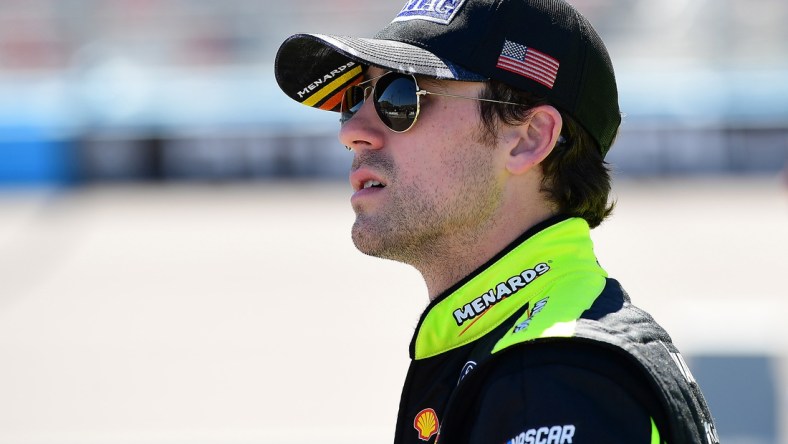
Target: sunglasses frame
(370,91)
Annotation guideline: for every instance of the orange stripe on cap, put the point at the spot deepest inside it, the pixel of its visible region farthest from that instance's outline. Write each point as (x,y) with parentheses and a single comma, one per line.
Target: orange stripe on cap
(331,87)
(333,102)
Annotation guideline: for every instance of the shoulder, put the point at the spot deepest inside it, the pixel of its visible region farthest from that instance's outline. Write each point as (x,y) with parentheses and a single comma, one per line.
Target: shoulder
(572,365)
(561,387)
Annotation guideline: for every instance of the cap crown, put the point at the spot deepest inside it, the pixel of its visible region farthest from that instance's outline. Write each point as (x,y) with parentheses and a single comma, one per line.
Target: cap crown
(542,46)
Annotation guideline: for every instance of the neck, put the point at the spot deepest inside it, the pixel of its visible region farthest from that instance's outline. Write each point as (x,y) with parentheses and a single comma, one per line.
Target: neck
(451,260)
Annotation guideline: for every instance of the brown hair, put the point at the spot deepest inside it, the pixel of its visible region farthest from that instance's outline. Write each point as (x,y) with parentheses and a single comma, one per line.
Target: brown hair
(576,177)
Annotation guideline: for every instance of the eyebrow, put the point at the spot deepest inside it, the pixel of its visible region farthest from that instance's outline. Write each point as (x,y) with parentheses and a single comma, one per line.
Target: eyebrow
(422,81)
(429,81)
(438,85)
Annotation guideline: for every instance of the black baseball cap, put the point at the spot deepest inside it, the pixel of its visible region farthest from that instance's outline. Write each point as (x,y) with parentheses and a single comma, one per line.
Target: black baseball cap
(545,47)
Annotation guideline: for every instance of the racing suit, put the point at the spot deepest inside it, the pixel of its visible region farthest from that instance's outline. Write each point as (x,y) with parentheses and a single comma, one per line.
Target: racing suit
(539,346)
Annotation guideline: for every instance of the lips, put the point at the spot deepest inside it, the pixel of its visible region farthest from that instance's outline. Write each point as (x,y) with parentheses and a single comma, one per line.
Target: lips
(364,179)
(372,184)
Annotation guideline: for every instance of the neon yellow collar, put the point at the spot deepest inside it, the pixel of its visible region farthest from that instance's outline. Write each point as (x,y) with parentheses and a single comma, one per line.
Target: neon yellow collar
(523,274)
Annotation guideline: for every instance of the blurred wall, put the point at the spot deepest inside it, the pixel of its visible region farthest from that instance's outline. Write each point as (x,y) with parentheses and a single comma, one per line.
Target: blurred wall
(164,89)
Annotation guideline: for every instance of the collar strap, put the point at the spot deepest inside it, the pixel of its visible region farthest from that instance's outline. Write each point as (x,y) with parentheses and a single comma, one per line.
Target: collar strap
(494,293)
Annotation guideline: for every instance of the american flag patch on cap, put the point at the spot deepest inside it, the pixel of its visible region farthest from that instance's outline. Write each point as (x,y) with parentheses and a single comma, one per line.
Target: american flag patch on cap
(528,63)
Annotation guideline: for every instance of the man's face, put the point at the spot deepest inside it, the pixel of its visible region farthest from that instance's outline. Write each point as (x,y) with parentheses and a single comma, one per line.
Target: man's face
(430,189)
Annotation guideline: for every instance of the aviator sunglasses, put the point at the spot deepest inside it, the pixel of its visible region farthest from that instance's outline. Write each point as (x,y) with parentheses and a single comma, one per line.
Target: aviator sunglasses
(397,100)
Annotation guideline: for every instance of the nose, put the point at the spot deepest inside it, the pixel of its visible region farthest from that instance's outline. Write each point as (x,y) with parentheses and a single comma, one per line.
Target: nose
(364,130)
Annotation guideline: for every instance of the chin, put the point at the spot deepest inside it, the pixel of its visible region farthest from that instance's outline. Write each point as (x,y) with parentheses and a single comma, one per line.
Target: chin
(366,241)
(370,242)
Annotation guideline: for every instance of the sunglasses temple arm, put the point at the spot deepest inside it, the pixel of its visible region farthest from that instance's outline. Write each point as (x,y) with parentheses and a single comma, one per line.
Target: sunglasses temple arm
(422,92)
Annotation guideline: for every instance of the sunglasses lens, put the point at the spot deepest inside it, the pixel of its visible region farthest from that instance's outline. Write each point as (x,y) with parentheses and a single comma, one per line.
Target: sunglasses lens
(396,101)
(351,102)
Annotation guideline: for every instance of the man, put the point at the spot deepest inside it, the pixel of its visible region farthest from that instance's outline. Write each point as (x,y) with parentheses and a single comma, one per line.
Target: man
(479,129)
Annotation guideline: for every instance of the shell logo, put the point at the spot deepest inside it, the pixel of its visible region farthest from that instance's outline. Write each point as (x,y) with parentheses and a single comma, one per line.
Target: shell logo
(426,423)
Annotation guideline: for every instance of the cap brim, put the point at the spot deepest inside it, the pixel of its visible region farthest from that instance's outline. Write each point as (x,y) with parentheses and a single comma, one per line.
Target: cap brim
(315,69)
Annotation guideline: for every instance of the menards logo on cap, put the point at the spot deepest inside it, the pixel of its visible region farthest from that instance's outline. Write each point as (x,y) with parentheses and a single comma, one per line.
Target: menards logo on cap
(326,92)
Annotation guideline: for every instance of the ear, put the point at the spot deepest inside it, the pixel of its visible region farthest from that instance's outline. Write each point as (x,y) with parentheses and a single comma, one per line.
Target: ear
(535,139)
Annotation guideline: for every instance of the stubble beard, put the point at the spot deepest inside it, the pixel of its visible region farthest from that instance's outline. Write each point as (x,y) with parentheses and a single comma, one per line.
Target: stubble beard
(420,226)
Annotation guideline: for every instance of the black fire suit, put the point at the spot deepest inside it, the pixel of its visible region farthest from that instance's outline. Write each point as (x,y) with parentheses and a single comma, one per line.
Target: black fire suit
(539,346)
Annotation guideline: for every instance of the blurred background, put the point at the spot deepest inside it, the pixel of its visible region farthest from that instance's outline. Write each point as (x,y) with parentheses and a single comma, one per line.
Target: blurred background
(175,259)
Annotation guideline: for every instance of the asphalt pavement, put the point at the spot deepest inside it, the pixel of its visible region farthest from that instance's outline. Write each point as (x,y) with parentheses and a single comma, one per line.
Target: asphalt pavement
(227,313)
